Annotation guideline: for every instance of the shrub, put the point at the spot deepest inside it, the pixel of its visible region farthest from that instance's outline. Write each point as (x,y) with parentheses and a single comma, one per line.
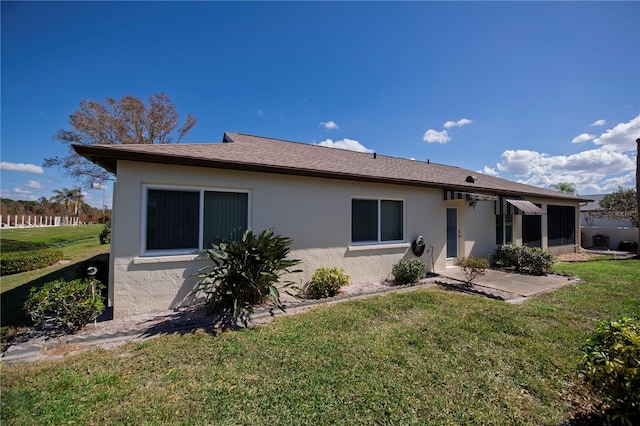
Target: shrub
(21,261)
(408,271)
(610,365)
(628,246)
(529,260)
(326,282)
(244,272)
(105,234)
(65,304)
(473,267)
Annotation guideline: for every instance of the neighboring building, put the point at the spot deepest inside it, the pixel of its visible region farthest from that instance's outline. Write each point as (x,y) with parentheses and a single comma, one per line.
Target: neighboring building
(342,208)
(589,217)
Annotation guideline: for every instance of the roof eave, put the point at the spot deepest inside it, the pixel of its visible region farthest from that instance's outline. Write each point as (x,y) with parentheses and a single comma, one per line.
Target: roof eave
(107,158)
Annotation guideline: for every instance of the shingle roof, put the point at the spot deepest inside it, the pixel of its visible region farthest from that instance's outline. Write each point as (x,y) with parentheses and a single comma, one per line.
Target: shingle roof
(245,152)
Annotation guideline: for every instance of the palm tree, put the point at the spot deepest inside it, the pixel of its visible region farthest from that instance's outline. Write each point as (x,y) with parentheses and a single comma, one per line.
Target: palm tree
(68,198)
(565,187)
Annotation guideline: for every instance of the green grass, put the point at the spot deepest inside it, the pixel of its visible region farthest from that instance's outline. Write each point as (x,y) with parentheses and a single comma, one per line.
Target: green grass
(425,357)
(78,243)
(16,239)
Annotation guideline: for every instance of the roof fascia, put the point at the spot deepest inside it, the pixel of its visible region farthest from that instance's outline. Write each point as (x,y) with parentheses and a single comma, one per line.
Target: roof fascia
(108,158)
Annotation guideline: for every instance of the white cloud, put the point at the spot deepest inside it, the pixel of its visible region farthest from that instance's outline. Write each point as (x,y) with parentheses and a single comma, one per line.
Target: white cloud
(622,137)
(260,113)
(433,136)
(35,184)
(489,171)
(584,137)
(599,123)
(329,125)
(348,144)
(592,170)
(21,167)
(459,123)
(22,192)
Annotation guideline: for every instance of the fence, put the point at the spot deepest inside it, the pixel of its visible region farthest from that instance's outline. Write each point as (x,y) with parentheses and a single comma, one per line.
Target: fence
(613,236)
(22,221)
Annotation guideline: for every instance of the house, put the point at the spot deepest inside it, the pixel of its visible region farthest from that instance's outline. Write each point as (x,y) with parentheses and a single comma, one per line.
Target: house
(354,210)
(589,216)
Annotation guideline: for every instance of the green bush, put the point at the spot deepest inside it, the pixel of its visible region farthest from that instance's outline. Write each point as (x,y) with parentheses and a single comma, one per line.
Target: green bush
(473,267)
(610,365)
(244,272)
(628,246)
(65,304)
(524,259)
(105,235)
(408,271)
(326,282)
(15,262)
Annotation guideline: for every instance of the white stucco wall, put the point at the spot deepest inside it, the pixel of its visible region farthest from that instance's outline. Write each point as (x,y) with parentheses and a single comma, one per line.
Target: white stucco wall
(316,213)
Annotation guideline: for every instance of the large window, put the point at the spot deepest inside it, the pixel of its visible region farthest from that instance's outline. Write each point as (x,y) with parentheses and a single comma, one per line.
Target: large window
(561,225)
(187,220)
(376,220)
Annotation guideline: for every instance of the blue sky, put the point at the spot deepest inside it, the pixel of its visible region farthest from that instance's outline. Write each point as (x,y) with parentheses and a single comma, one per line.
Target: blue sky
(535,92)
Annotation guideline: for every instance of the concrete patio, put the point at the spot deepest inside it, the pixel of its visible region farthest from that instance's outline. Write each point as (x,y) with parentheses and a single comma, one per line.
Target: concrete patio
(520,285)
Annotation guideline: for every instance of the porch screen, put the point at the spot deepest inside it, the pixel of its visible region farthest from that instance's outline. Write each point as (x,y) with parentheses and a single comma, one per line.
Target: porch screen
(561,225)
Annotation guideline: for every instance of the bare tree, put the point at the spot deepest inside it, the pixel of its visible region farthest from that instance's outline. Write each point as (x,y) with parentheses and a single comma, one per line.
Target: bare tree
(124,121)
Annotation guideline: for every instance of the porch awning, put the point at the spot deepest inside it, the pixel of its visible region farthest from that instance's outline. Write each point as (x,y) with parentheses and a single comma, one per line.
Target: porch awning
(468,196)
(517,205)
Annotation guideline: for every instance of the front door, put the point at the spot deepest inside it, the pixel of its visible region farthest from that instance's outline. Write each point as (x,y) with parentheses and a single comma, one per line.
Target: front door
(453,233)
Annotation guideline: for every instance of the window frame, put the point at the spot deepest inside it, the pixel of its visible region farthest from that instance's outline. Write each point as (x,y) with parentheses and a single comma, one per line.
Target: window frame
(506,224)
(379,240)
(192,250)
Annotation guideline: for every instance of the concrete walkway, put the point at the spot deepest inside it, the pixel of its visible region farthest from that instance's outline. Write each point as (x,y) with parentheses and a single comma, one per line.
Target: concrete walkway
(510,287)
(517,284)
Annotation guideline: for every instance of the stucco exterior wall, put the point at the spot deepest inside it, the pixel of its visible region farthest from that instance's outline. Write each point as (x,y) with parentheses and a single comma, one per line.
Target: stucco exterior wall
(479,232)
(316,213)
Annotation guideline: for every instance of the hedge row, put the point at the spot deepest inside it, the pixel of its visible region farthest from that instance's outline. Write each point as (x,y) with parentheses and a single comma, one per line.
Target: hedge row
(15,262)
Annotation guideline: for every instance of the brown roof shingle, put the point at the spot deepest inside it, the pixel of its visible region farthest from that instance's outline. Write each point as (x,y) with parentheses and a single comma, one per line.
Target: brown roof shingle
(246,152)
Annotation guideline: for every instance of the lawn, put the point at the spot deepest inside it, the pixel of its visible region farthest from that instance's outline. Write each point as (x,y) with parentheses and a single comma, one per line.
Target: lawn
(78,244)
(424,357)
